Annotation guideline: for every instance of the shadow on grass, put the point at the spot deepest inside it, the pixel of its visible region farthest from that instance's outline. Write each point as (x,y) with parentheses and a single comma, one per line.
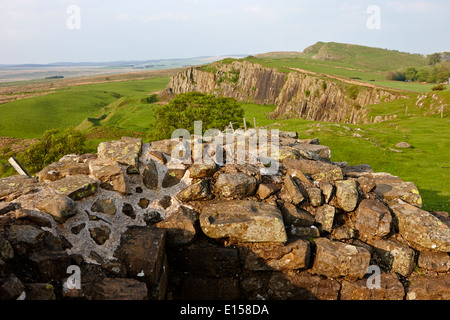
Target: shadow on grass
(433,201)
(96,121)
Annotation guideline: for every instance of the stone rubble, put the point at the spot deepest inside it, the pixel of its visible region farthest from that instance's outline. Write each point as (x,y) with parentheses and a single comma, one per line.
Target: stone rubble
(140,224)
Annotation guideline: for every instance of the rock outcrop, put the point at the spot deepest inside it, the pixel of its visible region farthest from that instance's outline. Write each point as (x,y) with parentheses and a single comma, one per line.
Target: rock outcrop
(295,94)
(139,224)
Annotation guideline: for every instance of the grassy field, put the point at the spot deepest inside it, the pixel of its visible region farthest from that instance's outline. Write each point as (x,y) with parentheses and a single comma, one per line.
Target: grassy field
(362,57)
(29,118)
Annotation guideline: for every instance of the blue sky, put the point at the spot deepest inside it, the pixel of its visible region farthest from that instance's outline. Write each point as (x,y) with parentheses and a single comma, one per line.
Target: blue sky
(42,31)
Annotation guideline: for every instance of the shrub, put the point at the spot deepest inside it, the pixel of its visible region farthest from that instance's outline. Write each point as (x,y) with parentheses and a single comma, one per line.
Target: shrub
(438,87)
(51,147)
(353,91)
(186,108)
(151,99)
(396,76)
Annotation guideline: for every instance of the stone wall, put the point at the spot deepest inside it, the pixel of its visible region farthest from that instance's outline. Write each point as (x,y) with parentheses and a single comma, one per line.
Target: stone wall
(138,224)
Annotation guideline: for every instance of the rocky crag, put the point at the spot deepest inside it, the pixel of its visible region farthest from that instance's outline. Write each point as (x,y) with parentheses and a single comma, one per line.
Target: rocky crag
(138,224)
(295,94)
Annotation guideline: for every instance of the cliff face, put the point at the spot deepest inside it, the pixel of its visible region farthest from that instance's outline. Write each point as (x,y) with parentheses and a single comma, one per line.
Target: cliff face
(296,95)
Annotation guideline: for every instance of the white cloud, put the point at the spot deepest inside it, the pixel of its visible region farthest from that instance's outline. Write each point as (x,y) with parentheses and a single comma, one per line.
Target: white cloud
(165,16)
(412,6)
(124,17)
(253,9)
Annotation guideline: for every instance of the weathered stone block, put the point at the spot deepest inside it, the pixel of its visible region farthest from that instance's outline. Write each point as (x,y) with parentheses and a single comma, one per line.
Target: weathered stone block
(204,170)
(423,287)
(110,175)
(235,185)
(181,226)
(325,217)
(421,229)
(150,176)
(59,170)
(373,218)
(141,249)
(52,265)
(265,190)
(271,256)
(296,192)
(173,177)
(11,288)
(318,170)
(327,190)
(367,184)
(167,147)
(390,289)
(395,256)
(315,196)
(40,291)
(100,234)
(119,289)
(246,221)
(12,184)
(59,207)
(6,207)
(75,187)
(295,216)
(347,194)
(392,190)
(27,234)
(106,206)
(323,152)
(303,232)
(434,261)
(302,286)
(195,192)
(125,151)
(336,259)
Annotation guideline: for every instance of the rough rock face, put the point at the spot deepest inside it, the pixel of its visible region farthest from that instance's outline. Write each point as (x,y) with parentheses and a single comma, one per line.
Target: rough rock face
(138,224)
(296,95)
(243,221)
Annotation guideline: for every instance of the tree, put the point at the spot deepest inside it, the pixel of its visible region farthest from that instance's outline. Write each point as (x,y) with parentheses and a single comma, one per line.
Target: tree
(434,59)
(396,76)
(444,72)
(186,108)
(411,74)
(423,74)
(51,147)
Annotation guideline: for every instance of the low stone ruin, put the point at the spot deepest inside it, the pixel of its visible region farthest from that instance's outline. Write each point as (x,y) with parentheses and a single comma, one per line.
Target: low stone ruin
(134,222)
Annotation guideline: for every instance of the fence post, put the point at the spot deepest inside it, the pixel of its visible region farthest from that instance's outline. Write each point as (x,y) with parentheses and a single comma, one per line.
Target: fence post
(19,167)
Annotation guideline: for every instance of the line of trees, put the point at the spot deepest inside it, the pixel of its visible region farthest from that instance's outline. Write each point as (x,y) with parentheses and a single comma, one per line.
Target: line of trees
(437,71)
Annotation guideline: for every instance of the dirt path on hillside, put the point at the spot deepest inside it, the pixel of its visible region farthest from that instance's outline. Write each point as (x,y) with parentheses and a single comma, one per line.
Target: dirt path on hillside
(345,80)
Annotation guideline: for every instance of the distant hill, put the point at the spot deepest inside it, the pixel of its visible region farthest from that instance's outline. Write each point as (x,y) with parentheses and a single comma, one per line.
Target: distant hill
(364,57)
(30,71)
